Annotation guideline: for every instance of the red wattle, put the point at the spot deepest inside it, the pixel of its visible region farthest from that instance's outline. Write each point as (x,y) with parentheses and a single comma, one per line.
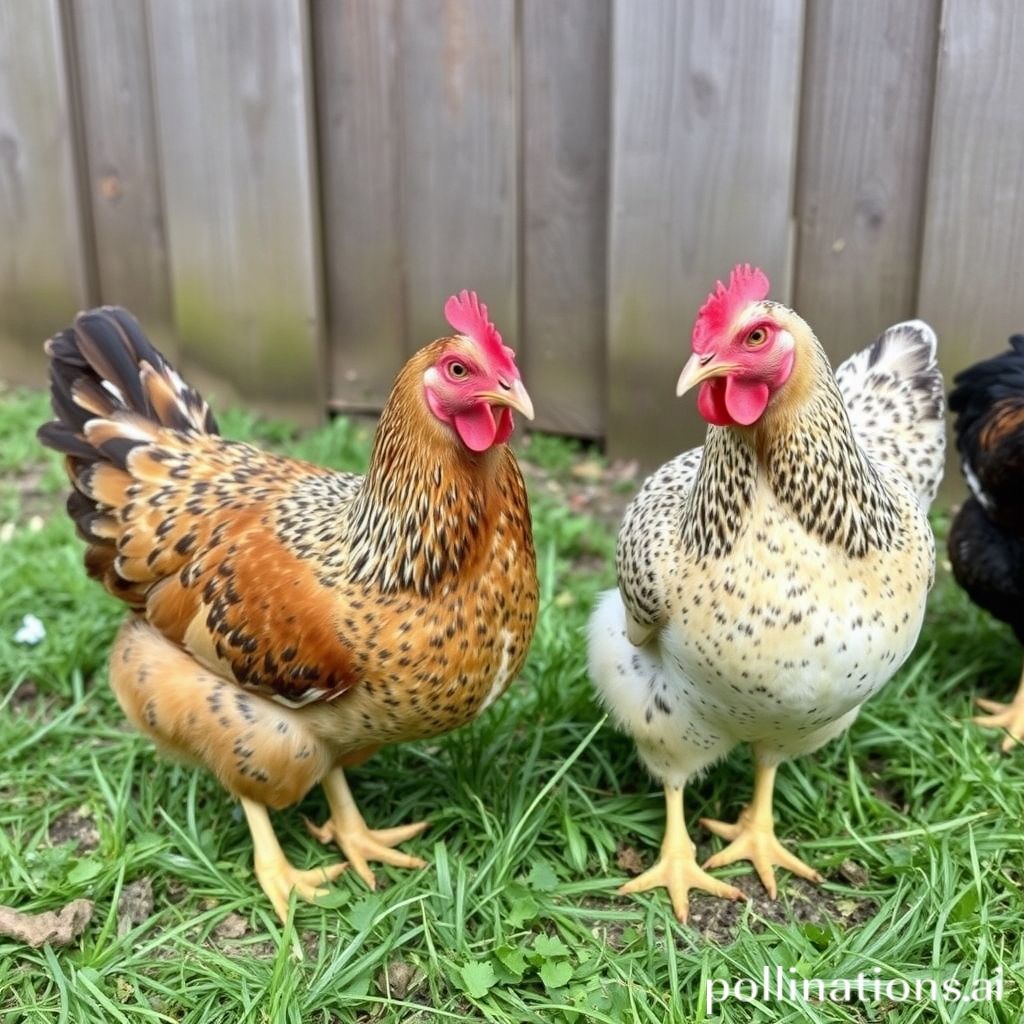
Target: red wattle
(505,426)
(476,427)
(745,400)
(711,403)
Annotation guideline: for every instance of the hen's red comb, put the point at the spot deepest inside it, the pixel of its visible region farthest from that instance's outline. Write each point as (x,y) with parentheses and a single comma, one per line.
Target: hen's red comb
(468,315)
(746,284)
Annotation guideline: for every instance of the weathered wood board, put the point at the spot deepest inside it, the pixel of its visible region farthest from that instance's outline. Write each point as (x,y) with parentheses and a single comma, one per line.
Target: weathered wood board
(565,123)
(971,288)
(235,134)
(704,121)
(863,159)
(44,270)
(458,164)
(356,58)
(122,163)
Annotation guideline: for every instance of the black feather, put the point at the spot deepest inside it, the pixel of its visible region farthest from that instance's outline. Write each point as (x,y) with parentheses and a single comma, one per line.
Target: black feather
(104,344)
(988,562)
(117,448)
(100,361)
(58,436)
(979,387)
(986,539)
(988,399)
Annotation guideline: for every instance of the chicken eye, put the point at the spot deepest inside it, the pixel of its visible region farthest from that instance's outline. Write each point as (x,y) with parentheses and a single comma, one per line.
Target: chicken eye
(457,370)
(758,336)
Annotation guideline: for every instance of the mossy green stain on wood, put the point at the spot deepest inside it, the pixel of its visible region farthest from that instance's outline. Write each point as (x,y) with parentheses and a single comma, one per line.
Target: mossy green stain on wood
(268,352)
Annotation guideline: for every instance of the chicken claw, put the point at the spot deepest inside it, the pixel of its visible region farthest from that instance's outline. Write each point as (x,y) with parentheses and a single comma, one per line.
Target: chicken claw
(678,872)
(360,844)
(278,878)
(273,871)
(752,836)
(1004,716)
(755,841)
(676,869)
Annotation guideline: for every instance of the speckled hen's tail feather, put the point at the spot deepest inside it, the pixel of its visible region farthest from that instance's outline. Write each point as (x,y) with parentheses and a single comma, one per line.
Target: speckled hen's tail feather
(111,391)
(896,400)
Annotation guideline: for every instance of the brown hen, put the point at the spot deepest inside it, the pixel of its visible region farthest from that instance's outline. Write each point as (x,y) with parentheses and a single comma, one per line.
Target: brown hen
(288,620)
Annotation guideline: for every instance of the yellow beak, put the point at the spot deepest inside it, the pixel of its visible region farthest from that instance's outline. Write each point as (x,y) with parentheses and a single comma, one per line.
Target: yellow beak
(700,368)
(515,398)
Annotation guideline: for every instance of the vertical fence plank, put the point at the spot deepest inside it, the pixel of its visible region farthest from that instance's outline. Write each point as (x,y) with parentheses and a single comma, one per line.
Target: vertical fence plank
(356,69)
(867,93)
(704,117)
(974,221)
(565,123)
(112,45)
(44,275)
(235,135)
(458,173)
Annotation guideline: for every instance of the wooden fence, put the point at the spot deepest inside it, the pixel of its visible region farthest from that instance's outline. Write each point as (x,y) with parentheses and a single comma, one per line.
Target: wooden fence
(285,192)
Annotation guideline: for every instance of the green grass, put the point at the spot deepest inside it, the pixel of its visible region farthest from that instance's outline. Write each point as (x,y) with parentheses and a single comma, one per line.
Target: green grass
(516,918)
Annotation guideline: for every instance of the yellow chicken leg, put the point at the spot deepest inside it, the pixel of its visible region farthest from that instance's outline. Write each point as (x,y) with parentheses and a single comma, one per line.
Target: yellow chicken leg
(360,844)
(676,868)
(1004,716)
(273,871)
(752,836)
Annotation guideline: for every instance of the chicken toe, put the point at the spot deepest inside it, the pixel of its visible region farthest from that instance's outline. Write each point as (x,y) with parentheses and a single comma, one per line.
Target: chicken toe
(361,844)
(757,843)
(1009,717)
(676,869)
(752,837)
(275,874)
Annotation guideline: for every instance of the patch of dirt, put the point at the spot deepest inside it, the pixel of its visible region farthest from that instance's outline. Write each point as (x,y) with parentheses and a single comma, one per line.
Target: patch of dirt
(629,859)
(135,905)
(234,926)
(25,695)
(854,873)
(401,980)
(56,927)
(799,902)
(27,700)
(268,950)
(75,826)
(175,889)
(875,771)
(610,931)
(720,921)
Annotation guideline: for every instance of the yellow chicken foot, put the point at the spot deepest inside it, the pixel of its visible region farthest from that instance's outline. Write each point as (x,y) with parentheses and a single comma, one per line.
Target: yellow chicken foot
(273,871)
(676,868)
(752,837)
(360,844)
(1004,716)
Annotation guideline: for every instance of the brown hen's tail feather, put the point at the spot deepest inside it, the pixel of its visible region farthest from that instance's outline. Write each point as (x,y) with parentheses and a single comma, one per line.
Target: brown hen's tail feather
(111,391)
(105,367)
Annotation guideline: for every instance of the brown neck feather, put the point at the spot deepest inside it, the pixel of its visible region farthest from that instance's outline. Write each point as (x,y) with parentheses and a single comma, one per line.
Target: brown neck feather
(426,499)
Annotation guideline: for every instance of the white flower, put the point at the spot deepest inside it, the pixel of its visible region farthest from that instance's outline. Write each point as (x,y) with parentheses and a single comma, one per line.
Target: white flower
(31,631)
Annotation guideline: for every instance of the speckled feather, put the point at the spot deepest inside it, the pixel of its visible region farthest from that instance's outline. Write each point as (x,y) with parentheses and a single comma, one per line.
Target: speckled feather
(773,580)
(383,608)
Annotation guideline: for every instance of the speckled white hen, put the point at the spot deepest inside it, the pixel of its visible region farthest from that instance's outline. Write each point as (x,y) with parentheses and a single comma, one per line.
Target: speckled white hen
(772,581)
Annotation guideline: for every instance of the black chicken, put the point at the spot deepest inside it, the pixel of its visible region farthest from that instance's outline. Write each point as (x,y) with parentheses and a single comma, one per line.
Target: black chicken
(986,541)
